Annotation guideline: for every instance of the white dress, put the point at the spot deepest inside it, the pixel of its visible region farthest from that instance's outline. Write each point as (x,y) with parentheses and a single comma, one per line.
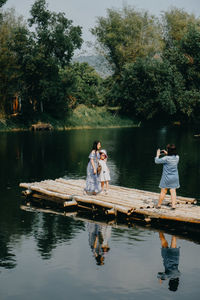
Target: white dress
(105,174)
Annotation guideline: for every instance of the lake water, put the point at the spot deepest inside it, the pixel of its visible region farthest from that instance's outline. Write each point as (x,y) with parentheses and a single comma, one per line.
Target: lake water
(48,256)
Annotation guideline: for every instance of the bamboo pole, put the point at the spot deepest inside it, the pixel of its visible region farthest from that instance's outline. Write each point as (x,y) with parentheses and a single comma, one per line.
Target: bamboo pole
(181,198)
(111,211)
(80,183)
(103,204)
(39,197)
(52,194)
(166,216)
(126,201)
(26,192)
(59,195)
(70,203)
(24,185)
(49,185)
(121,199)
(59,189)
(85,207)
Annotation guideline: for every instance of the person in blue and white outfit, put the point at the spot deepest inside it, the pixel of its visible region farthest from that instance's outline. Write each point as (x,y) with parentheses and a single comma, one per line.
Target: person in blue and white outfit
(170,176)
(98,241)
(170,257)
(92,182)
(104,175)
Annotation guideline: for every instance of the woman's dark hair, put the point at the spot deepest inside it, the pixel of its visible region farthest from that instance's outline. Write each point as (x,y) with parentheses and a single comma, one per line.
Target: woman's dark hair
(173,284)
(171,149)
(94,147)
(99,260)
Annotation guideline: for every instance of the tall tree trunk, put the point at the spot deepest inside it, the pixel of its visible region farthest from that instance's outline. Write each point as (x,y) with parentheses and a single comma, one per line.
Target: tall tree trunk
(41,107)
(2,106)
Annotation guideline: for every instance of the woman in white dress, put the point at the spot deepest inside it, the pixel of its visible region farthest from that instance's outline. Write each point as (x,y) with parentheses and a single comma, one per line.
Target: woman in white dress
(104,175)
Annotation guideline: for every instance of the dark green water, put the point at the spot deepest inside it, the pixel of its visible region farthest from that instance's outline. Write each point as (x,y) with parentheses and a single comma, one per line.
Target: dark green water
(46,256)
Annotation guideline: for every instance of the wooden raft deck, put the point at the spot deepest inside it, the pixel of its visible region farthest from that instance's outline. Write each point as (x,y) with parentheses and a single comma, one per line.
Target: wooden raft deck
(119,201)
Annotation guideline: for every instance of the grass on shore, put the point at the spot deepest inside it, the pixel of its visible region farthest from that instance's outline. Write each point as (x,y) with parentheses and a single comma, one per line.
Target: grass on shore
(84,116)
(81,117)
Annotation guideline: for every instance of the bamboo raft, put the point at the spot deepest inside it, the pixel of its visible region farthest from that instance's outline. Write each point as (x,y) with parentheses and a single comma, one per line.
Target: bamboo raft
(41,126)
(119,202)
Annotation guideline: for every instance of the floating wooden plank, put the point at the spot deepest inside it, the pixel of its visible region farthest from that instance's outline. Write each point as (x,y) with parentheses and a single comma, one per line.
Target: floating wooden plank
(41,126)
(127,201)
(70,203)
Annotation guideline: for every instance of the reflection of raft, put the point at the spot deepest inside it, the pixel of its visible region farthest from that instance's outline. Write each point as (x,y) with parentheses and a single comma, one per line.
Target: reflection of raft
(86,216)
(120,202)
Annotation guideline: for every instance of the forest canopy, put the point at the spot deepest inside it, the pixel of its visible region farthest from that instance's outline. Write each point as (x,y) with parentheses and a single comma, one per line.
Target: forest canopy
(155,64)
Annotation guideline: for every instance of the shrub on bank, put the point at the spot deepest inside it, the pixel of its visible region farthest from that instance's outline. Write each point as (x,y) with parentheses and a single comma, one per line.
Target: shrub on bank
(81,117)
(84,116)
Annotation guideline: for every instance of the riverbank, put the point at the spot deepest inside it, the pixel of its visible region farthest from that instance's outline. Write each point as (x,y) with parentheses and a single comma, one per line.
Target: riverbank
(82,117)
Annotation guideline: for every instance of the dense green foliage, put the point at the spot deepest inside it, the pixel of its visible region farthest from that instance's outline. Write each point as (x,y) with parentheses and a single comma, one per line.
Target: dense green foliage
(31,61)
(83,84)
(155,65)
(2,2)
(156,82)
(9,69)
(150,88)
(175,25)
(126,35)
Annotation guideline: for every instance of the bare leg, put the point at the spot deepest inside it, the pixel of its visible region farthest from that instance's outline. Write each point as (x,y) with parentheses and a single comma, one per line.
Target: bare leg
(102,185)
(106,185)
(173,197)
(162,197)
(106,190)
(164,243)
(173,242)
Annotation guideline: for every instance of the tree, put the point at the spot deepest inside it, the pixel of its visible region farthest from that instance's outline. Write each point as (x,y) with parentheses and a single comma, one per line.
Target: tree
(166,87)
(185,57)
(150,88)
(9,68)
(2,2)
(175,24)
(55,35)
(124,35)
(82,84)
(52,46)
(190,49)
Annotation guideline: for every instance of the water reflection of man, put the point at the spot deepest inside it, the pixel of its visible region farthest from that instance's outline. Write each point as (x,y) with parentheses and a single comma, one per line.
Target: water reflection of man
(98,240)
(170,261)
